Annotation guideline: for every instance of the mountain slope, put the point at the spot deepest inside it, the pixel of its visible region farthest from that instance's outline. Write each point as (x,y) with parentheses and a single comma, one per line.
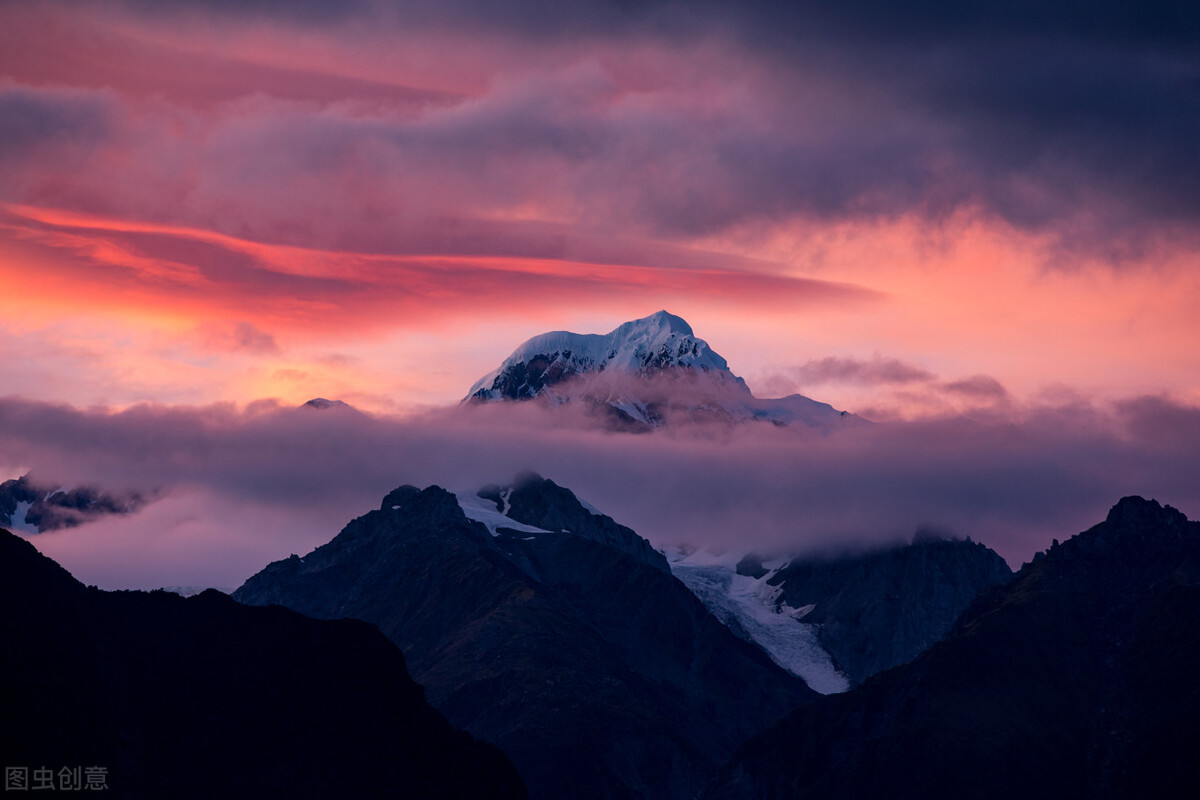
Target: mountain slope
(1076,679)
(835,620)
(646,373)
(203,697)
(548,631)
(878,609)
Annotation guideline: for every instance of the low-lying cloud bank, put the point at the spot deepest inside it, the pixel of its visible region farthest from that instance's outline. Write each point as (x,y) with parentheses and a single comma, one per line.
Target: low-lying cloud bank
(241,487)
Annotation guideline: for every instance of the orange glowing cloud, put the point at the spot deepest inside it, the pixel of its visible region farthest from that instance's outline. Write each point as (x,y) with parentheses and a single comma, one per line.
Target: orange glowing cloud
(317,291)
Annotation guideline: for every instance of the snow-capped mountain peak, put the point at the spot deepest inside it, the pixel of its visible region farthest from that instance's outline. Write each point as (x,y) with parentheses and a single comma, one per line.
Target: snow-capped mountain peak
(642,374)
(661,341)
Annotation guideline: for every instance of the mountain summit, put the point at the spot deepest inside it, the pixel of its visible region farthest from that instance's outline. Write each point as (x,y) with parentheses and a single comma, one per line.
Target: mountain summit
(653,344)
(644,373)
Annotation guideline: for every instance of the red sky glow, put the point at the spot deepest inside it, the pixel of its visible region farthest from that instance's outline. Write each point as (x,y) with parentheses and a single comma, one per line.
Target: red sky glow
(220,203)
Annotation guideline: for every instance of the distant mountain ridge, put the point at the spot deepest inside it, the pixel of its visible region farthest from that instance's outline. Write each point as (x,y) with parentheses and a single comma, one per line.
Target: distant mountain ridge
(645,373)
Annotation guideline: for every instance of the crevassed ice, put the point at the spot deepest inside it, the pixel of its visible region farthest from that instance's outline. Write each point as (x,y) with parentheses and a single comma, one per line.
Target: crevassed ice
(737,601)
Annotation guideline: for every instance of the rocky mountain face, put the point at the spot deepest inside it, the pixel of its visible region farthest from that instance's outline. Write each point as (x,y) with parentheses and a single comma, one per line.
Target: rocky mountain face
(549,630)
(875,610)
(1075,679)
(835,620)
(204,697)
(644,374)
(34,508)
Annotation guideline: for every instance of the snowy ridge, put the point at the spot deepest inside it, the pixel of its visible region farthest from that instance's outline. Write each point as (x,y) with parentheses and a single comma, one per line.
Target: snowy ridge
(645,373)
(658,341)
(744,604)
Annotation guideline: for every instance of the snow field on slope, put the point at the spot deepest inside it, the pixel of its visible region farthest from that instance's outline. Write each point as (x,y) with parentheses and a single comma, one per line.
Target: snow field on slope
(483,510)
(737,601)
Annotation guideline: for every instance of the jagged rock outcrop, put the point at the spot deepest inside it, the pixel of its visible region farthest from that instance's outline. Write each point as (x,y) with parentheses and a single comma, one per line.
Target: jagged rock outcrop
(1075,679)
(878,609)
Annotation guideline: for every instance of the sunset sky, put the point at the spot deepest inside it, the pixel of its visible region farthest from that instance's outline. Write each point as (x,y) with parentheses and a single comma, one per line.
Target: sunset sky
(914,211)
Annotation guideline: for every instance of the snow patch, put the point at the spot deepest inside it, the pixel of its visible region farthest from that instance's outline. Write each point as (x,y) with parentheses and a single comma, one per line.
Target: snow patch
(480,509)
(19,525)
(588,507)
(744,604)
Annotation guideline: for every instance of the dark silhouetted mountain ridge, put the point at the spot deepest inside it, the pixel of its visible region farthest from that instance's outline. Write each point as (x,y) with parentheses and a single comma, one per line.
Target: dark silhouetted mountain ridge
(879,609)
(204,697)
(1075,679)
(562,639)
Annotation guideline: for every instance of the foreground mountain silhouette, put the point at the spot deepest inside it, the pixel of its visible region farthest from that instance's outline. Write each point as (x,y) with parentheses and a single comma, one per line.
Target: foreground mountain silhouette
(548,630)
(644,374)
(1076,679)
(205,698)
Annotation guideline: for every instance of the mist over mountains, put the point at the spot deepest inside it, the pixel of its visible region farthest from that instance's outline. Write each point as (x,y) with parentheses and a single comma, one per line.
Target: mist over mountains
(242,485)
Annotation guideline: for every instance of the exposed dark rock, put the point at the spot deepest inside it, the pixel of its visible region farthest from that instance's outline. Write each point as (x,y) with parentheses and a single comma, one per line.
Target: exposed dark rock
(1075,679)
(751,565)
(544,504)
(526,379)
(397,497)
(597,672)
(883,608)
(51,508)
(203,697)
(495,494)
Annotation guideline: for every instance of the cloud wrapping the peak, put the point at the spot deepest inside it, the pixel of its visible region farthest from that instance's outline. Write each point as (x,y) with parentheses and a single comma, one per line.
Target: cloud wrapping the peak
(1012,483)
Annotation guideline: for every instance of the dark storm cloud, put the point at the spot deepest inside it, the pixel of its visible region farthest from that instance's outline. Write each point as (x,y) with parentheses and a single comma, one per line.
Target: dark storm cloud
(1076,117)
(1172,21)
(30,118)
(1072,119)
(307,11)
